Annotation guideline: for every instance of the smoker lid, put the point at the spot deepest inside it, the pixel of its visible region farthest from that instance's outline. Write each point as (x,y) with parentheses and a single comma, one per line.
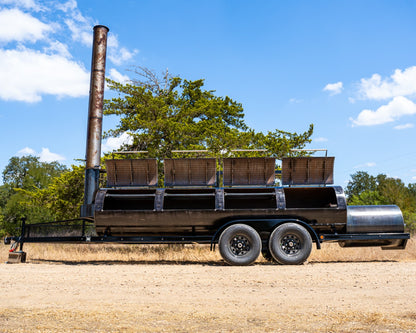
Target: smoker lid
(307,170)
(190,171)
(249,171)
(131,172)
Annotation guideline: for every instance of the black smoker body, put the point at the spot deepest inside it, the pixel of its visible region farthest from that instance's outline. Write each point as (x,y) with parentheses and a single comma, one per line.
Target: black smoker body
(203,214)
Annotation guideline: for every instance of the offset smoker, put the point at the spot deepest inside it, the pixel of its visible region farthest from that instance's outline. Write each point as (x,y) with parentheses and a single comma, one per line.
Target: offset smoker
(280,222)
(235,206)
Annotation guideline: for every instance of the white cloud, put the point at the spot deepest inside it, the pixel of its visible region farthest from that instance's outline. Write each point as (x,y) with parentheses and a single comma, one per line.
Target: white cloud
(70,8)
(414,178)
(21,27)
(27,74)
(112,144)
(58,48)
(118,55)
(295,101)
(36,56)
(398,107)
(334,88)
(401,83)
(320,139)
(26,151)
(79,25)
(44,156)
(67,6)
(117,76)
(365,165)
(26,4)
(80,32)
(112,41)
(47,156)
(404,126)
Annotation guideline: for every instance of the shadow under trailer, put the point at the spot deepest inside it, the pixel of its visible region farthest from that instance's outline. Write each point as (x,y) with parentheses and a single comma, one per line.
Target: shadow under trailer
(229,202)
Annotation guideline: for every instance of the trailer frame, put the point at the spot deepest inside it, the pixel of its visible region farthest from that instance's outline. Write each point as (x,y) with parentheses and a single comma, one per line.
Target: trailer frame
(18,255)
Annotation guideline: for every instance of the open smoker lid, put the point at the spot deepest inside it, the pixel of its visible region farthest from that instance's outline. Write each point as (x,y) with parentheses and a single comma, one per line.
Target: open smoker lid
(132,172)
(190,171)
(258,171)
(307,170)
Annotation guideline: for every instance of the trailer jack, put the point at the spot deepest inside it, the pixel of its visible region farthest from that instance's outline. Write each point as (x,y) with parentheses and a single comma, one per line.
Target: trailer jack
(16,256)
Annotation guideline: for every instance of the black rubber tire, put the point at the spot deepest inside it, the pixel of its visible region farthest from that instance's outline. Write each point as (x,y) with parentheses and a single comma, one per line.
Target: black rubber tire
(290,244)
(240,245)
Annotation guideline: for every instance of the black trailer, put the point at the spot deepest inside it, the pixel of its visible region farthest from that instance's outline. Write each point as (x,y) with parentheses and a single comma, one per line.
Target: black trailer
(198,206)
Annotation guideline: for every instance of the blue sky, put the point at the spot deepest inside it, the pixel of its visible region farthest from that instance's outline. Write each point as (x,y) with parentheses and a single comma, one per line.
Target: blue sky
(348,67)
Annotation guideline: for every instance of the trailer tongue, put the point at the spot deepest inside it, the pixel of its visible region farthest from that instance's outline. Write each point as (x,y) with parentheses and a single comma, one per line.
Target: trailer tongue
(232,202)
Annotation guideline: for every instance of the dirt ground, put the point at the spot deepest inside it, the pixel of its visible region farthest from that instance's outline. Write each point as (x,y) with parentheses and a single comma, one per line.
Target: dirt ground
(113,296)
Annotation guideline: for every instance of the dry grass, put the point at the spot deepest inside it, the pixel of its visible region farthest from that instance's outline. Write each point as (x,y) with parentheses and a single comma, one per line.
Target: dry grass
(332,252)
(190,254)
(142,320)
(118,253)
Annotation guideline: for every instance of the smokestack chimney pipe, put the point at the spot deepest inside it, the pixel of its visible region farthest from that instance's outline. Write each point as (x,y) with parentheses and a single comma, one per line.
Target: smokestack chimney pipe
(95,118)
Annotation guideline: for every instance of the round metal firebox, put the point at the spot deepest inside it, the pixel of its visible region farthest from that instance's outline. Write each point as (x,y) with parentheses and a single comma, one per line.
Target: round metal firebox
(367,219)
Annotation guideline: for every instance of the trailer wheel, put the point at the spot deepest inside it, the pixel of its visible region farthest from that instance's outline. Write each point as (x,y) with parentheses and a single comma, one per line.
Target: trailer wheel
(290,244)
(240,245)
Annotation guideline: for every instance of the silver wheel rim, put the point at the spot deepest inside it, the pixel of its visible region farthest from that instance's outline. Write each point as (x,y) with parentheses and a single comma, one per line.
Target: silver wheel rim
(291,244)
(240,245)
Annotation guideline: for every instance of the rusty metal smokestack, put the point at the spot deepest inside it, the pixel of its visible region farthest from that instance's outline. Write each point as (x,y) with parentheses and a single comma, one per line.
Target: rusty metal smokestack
(95,119)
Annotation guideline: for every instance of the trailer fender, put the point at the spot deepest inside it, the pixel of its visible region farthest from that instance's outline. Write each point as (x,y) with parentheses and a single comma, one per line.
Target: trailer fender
(265,225)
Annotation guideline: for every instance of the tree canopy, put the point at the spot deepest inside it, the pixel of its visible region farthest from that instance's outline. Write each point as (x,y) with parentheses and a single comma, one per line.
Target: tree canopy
(365,189)
(171,113)
(28,172)
(24,178)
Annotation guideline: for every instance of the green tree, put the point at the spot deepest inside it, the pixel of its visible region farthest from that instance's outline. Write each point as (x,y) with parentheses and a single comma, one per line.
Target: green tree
(367,198)
(360,181)
(396,192)
(20,205)
(29,173)
(412,188)
(64,196)
(5,192)
(364,189)
(22,177)
(169,113)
